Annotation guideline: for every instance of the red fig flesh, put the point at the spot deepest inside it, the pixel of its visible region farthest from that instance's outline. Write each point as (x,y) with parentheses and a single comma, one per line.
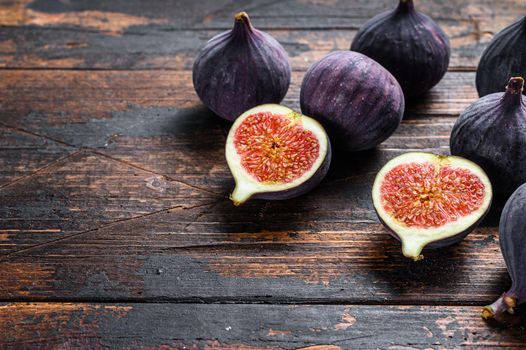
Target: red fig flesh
(276,153)
(429,200)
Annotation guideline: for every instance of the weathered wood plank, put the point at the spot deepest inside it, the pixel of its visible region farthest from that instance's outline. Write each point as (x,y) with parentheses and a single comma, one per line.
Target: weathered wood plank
(299,251)
(326,245)
(48,98)
(55,34)
(187,326)
(168,132)
(83,192)
(154,120)
(22,154)
(314,14)
(154,48)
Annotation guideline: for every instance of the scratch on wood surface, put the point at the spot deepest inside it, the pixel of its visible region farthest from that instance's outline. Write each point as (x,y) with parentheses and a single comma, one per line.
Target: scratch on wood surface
(277,332)
(347,319)
(93,151)
(7,256)
(41,170)
(51,230)
(156,183)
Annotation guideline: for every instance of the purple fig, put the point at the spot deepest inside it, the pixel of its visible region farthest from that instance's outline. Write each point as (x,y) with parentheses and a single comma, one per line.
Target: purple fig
(357,100)
(240,69)
(276,153)
(492,133)
(409,44)
(512,232)
(504,57)
(430,201)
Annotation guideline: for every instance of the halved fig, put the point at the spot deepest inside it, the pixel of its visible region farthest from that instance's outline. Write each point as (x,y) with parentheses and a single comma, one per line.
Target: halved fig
(276,153)
(429,200)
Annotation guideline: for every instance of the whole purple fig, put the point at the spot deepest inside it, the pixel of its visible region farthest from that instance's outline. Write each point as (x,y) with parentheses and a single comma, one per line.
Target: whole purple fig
(504,57)
(492,133)
(358,101)
(240,69)
(512,232)
(409,44)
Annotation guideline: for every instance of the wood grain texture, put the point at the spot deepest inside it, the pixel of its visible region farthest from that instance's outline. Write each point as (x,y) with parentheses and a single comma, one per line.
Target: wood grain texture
(191,326)
(153,120)
(180,14)
(83,192)
(23,154)
(75,34)
(115,222)
(158,48)
(261,253)
(71,97)
(326,245)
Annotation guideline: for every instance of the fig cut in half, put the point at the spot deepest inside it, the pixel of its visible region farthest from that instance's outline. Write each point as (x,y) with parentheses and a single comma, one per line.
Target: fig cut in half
(429,200)
(276,153)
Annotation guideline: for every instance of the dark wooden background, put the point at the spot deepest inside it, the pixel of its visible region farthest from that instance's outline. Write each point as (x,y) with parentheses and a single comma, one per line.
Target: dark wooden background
(115,226)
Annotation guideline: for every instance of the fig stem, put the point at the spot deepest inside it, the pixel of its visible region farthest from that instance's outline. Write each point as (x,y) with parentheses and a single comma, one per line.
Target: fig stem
(242,17)
(501,305)
(242,24)
(515,85)
(406,6)
(513,95)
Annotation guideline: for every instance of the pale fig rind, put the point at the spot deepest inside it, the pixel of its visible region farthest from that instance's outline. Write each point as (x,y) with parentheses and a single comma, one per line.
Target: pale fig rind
(240,69)
(408,44)
(504,57)
(492,133)
(512,237)
(249,188)
(415,239)
(358,101)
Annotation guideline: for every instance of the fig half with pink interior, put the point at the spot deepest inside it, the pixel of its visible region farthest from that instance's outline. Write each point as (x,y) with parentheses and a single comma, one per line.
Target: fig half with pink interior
(276,153)
(430,201)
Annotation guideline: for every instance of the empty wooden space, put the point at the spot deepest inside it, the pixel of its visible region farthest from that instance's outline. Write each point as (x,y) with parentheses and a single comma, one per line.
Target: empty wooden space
(116,230)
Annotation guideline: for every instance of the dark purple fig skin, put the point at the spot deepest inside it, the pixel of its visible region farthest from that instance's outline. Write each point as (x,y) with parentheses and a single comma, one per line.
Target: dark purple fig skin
(240,69)
(305,187)
(504,57)
(409,44)
(358,101)
(512,233)
(492,133)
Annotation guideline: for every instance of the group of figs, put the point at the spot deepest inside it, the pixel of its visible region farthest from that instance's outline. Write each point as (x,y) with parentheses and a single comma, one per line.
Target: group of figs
(353,101)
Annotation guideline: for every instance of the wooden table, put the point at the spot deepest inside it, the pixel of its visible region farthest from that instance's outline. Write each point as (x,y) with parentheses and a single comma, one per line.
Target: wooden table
(116,230)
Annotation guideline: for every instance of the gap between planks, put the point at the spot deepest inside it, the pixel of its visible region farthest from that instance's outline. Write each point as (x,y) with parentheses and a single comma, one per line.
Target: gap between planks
(257,300)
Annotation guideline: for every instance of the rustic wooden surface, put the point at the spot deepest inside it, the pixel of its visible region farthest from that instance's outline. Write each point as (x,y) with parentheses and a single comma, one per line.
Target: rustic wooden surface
(115,226)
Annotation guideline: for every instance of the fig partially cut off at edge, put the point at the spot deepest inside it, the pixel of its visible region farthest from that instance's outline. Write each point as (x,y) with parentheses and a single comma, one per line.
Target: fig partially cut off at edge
(429,200)
(512,238)
(276,153)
